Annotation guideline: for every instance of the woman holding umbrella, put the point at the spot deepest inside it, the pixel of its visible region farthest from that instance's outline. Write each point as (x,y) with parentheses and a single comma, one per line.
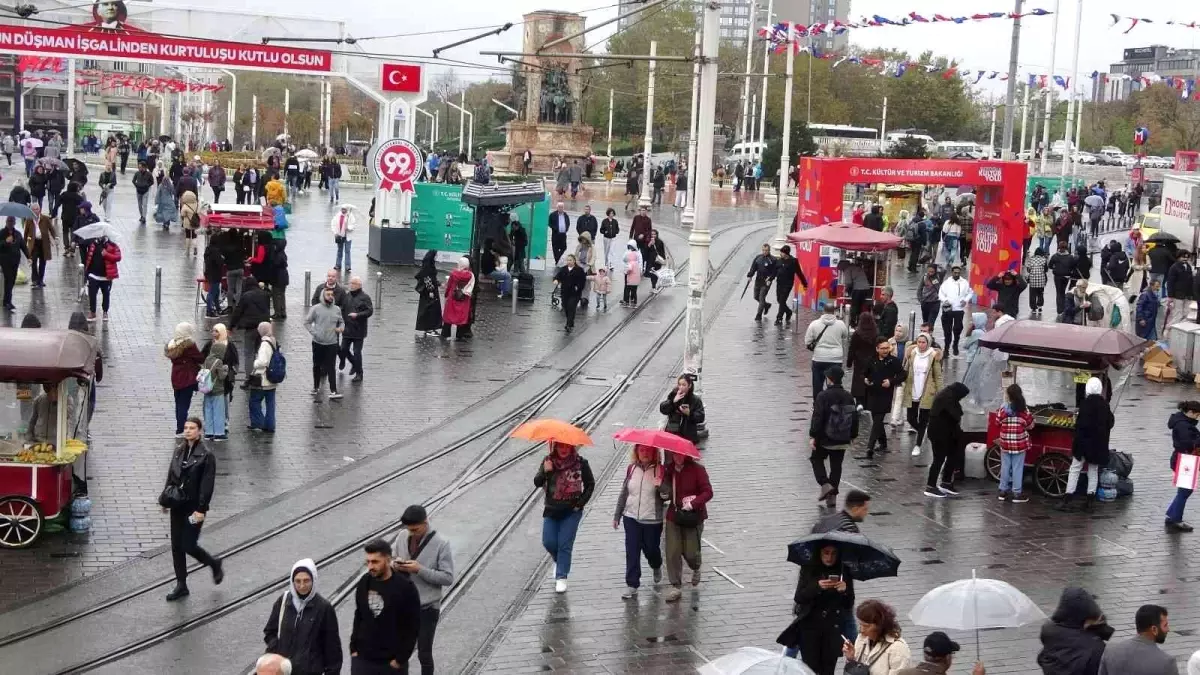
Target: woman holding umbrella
(567,481)
(640,510)
(824,597)
(686,488)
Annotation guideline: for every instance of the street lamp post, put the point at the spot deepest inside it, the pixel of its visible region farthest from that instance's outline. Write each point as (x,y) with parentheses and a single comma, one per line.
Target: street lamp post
(745,126)
(762,120)
(1049,92)
(689,210)
(781,221)
(232,103)
(1068,151)
(287,107)
(648,140)
(254,122)
(471,138)
(610,120)
(700,240)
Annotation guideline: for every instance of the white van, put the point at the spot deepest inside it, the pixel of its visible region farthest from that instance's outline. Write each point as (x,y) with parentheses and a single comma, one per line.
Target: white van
(746,151)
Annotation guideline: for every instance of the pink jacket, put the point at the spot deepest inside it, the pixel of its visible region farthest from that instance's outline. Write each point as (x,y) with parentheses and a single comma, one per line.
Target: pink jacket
(633,267)
(602,283)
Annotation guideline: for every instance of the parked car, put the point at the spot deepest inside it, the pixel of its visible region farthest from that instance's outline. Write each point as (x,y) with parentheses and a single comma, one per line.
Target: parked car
(1085,158)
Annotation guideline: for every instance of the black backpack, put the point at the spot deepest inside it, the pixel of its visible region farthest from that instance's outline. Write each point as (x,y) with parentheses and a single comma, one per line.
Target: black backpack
(839,423)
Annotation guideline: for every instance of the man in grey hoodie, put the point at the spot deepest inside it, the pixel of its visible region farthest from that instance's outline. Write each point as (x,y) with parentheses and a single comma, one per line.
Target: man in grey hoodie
(825,338)
(426,556)
(324,323)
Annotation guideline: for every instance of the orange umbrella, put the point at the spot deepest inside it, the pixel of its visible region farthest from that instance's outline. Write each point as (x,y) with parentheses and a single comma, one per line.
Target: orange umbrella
(552,430)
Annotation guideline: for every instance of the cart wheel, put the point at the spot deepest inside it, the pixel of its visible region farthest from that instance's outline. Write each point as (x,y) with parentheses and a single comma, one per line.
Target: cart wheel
(991,462)
(20,522)
(1050,474)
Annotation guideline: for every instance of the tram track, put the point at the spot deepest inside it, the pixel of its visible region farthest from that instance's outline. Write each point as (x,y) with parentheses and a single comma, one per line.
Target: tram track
(470,477)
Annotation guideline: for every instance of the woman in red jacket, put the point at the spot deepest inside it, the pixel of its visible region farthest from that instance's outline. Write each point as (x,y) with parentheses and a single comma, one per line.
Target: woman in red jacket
(185,366)
(686,490)
(100,265)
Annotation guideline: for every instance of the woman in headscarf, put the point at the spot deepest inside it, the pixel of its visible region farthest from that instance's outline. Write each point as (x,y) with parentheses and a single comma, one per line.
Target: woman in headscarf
(1093,424)
(457,311)
(185,365)
(567,481)
(945,435)
(165,210)
(303,626)
(429,307)
(221,360)
(924,380)
(585,255)
(862,354)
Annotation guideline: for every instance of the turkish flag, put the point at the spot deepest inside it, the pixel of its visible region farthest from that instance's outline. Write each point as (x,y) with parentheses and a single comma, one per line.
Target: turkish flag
(399,77)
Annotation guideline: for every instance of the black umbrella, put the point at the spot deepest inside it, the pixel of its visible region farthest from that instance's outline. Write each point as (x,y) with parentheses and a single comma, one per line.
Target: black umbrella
(1161,237)
(862,558)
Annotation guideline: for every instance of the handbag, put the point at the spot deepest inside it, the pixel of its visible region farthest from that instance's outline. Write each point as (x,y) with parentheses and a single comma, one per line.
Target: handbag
(666,278)
(1187,471)
(458,294)
(857,667)
(685,519)
(172,497)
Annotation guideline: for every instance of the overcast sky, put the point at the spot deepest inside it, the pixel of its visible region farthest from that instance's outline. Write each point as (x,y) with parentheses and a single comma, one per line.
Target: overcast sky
(981,45)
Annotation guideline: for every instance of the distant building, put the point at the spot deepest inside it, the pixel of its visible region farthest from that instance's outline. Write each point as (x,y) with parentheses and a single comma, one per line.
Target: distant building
(1157,59)
(735,17)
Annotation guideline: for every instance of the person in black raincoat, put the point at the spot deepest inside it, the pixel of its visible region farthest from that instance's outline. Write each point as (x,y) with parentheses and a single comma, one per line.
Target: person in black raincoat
(429,307)
(763,270)
(20,194)
(824,598)
(1009,285)
(786,273)
(860,355)
(945,435)
(187,495)
(1074,637)
(684,410)
(1093,424)
(303,626)
(881,377)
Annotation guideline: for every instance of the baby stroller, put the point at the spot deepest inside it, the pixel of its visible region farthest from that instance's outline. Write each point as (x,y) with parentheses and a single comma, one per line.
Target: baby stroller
(556,299)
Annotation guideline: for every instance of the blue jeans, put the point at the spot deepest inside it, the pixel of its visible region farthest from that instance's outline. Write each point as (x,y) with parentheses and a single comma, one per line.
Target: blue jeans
(503,280)
(343,253)
(818,375)
(1045,243)
(641,538)
(334,194)
(257,419)
(1012,471)
(558,538)
(214,414)
(1175,510)
(212,299)
(28,167)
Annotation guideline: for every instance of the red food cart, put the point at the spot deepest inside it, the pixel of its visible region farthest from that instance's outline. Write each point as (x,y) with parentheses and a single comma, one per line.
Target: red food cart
(821,250)
(45,384)
(1052,362)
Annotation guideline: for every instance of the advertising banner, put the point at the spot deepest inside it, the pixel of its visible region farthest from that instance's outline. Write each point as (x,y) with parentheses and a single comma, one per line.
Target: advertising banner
(123,42)
(443,223)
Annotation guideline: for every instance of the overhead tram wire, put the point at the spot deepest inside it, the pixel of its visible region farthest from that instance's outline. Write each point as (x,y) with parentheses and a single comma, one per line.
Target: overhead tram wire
(463,30)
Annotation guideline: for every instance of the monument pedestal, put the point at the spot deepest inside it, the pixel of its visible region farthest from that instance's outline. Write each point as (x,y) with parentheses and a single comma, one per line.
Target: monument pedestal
(548,143)
(392,245)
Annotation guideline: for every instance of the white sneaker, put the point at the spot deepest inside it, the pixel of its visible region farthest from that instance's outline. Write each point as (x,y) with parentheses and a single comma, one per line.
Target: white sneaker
(335,396)
(934,492)
(916,451)
(560,586)
(629,594)
(908,428)
(673,595)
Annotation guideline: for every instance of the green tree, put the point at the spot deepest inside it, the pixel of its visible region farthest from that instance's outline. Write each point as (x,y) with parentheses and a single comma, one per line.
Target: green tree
(909,147)
(800,145)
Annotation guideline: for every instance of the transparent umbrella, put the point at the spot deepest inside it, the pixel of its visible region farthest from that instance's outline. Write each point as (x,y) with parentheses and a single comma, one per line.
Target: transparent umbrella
(975,604)
(755,661)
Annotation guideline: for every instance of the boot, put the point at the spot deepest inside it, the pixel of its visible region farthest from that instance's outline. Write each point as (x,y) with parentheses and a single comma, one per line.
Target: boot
(180,592)
(1065,505)
(1089,502)
(826,490)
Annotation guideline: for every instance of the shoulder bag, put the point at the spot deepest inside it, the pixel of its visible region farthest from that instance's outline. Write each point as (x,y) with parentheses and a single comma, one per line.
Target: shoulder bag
(685,519)
(812,344)
(857,667)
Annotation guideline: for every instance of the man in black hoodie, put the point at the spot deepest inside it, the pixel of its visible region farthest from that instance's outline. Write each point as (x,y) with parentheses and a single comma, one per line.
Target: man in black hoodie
(763,270)
(1180,288)
(1161,259)
(387,616)
(1062,264)
(356,309)
(786,273)
(1073,639)
(1008,286)
(143,180)
(833,427)
(874,219)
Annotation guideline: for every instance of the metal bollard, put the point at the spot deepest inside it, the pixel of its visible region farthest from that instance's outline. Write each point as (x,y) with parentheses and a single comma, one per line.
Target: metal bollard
(82,282)
(379,290)
(157,287)
(307,288)
(912,324)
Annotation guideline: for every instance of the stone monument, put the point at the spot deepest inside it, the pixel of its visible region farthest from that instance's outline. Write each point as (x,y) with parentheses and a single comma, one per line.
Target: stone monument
(549,124)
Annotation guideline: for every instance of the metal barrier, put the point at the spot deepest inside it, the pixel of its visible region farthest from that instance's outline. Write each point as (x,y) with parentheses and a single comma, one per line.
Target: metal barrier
(157,287)
(307,288)
(379,290)
(912,325)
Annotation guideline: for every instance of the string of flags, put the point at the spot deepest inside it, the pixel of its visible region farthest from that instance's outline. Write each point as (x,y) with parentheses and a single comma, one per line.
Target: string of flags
(1135,21)
(1186,86)
(779,31)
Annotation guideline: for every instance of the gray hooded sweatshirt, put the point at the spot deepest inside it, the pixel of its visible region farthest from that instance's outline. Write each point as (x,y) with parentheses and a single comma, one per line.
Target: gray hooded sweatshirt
(322,320)
(437,566)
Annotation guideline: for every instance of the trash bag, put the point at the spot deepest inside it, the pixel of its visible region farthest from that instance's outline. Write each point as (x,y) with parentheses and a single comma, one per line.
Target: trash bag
(1125,487)
(1121,463)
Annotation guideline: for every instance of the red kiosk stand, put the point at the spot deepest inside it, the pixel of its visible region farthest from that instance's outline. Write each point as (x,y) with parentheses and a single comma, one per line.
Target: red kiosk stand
(999,211)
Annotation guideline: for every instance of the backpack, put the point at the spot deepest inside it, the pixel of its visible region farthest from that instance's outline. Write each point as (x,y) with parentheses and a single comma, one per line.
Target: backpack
(204,381)
(277,367)
(839,423)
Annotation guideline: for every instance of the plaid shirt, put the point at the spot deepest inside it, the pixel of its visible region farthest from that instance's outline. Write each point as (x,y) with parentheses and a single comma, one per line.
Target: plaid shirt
(1014,430)
(1035,271)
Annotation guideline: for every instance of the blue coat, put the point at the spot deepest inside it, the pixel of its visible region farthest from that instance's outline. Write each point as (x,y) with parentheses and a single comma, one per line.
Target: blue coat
(1147,310)
(165,210)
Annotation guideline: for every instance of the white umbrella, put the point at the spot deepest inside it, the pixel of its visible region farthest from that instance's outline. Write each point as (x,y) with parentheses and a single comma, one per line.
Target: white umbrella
(1094,201)
(36,142)
(975,604)
(306,154)
(755,661)
(97,230)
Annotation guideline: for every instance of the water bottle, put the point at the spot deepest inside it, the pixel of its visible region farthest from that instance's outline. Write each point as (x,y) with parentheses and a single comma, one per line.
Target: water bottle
(1107,490)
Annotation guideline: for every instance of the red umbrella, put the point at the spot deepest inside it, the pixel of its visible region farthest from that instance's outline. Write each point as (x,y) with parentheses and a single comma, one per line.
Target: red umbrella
(658,438)
(848,236)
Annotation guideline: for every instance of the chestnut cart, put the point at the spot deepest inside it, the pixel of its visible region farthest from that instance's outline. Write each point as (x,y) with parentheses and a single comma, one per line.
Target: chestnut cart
(45,385)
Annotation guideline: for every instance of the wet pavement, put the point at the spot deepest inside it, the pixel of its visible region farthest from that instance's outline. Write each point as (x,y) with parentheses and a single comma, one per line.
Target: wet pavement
(758,400)
(412,384)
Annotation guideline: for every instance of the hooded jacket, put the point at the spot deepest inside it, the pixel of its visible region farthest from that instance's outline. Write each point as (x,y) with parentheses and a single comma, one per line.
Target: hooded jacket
(970,343)
(1161,259)
(1068,648)
(322,321)
(305,630)
(1008,295)
(1092,427)
(1185,436)
(945,416)
(1180,281)
(185,362)
(1062,264)
(830,347)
